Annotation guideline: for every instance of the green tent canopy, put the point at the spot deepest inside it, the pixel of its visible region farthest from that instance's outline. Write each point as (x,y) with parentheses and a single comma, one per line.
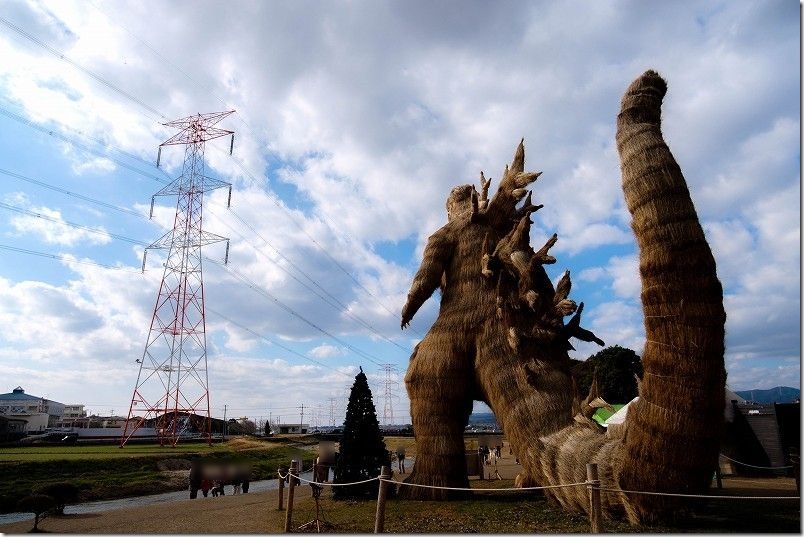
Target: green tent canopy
(602,414)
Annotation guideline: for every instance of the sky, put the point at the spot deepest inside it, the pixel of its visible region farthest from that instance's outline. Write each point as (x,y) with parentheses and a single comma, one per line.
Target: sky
(353,120)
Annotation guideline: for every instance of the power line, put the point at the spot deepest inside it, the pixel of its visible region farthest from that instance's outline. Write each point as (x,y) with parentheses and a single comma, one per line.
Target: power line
(112,86)
(173,66)
(64,58)
(75,143)
(274,342)
(251,228)
(332,301)
(88,229)
(73,194)
(140,243)
(66,259)
(252,285)
(69,259)
(292,218)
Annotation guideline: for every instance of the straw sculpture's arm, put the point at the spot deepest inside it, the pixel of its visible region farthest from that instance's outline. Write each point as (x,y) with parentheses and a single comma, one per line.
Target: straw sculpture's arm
(437,254)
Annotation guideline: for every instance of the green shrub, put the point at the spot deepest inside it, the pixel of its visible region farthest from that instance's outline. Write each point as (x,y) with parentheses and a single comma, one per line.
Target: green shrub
(62,492)
(38,504)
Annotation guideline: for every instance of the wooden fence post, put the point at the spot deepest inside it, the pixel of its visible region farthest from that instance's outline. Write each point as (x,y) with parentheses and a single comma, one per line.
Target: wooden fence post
(294,470)
(379,519)
(593,487)
(281,486)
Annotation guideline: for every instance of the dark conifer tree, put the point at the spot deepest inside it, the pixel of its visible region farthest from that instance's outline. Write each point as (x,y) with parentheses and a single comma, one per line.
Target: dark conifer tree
(362,448)
(616,369)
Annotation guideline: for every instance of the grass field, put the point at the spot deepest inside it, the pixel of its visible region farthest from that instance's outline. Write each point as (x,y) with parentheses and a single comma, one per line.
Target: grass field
(106,471)
(43,453)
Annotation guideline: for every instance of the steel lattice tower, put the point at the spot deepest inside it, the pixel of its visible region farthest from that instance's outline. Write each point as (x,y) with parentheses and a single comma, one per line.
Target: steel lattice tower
(172,384)
(388,394)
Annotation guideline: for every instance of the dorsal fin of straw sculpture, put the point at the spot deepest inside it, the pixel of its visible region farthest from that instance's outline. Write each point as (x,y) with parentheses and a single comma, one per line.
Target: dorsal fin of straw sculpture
(504,330)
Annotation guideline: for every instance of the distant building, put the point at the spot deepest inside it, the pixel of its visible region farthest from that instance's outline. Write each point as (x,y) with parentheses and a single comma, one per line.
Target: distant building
(11,429)
(73,412)
(293,428)
(37,412)
(73,416)
(763,437)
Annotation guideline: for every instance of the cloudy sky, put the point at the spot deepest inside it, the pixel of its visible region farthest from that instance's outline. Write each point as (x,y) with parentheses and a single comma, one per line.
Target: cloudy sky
(353,121)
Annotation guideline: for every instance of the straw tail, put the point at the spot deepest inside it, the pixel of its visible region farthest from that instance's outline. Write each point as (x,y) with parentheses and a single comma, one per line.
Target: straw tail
(670,440)
(679,414)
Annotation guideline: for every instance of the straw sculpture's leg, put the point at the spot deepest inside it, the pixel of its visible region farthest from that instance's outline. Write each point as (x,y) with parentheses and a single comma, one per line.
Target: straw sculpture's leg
(438,382)
(530,397)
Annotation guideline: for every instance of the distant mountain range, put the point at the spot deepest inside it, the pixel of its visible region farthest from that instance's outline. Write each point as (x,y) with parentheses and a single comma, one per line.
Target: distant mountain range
(483,418)
(779,394)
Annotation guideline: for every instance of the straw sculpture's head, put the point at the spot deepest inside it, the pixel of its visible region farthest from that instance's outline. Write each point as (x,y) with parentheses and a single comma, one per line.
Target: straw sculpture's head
(459,201)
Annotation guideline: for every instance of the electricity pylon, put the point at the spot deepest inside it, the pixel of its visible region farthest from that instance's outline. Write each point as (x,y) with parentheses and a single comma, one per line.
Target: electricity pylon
(388,394)
(172,386)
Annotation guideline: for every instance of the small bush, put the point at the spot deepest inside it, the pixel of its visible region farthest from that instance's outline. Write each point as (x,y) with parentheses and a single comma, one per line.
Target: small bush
(38,504)
(62,492)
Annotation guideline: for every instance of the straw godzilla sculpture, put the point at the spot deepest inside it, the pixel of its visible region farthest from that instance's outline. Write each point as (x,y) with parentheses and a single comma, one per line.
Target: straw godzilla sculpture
(500,337)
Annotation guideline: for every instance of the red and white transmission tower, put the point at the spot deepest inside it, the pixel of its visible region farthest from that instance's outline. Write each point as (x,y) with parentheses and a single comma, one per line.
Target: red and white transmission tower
(172,384)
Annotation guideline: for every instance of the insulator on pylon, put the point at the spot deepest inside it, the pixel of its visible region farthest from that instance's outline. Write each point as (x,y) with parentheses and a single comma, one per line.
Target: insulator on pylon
(231,145)
(226,257)
(229,201)
(144,254)
(158,156)
(152,206)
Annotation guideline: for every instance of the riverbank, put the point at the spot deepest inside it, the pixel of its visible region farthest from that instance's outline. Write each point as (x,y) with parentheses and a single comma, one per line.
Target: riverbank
(108,472)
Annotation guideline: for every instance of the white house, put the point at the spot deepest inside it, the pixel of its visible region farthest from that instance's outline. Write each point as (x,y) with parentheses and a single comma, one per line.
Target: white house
(39,413)
(294,428)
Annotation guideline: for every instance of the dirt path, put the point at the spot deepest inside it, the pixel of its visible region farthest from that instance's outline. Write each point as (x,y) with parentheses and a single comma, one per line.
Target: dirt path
(244,513)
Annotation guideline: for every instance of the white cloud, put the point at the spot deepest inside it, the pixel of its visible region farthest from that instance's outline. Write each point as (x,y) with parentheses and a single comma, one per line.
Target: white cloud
(48,225)
(326,351)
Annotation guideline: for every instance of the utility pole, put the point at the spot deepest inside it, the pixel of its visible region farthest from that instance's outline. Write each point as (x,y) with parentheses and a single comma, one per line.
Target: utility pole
(173,383)
(225,423)
(301,420)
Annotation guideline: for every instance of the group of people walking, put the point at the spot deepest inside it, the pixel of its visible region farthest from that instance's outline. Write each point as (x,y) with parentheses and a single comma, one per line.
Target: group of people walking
(490,456)
(213,479)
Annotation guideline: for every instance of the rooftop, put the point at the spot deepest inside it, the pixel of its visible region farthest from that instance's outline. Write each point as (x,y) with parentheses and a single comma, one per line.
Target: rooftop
(18,395)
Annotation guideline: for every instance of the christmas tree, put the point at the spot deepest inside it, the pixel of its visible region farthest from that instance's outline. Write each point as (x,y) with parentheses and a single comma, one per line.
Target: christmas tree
(362,448)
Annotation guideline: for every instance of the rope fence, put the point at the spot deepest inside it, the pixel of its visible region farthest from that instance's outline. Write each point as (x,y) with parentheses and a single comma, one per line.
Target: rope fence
(592,483)
(706,496)
(470,489)
(754,466)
